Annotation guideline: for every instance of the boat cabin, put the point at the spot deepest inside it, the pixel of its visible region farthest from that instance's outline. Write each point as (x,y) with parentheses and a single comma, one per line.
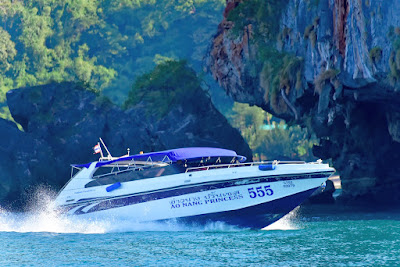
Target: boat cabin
(156,164)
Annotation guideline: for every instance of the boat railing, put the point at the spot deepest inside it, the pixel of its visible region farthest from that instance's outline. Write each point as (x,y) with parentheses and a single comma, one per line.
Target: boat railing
(116,172)
(236,165)
(117,168)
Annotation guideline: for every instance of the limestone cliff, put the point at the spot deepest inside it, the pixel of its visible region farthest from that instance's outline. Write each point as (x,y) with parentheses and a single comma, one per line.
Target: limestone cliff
(330,65)
(63,121)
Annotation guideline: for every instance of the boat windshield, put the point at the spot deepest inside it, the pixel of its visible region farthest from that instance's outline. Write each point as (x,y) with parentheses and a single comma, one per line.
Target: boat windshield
(133,174)
(123,172)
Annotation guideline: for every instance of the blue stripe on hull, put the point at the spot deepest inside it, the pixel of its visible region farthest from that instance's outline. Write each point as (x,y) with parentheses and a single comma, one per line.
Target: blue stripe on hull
(255,217)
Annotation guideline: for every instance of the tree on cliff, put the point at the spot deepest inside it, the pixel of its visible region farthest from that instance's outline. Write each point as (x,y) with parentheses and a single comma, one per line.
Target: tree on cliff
(169,84)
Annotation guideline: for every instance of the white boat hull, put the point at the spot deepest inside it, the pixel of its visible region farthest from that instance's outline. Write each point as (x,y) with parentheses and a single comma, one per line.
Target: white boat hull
(253,202)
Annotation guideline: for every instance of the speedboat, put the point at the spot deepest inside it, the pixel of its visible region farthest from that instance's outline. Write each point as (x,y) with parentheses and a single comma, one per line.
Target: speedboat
(194,185)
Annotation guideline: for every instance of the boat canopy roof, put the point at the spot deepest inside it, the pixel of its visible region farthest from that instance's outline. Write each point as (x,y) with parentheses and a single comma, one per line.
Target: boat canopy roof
(174,155)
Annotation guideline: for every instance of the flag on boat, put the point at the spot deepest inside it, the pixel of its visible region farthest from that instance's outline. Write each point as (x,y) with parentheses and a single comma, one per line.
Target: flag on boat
(97,149)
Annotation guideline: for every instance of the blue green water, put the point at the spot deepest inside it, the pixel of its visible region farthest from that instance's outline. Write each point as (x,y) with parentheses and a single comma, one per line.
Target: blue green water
(348,239)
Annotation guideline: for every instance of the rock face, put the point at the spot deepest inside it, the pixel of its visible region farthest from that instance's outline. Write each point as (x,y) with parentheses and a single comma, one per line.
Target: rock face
(21,156)
(330,65)
(63,121)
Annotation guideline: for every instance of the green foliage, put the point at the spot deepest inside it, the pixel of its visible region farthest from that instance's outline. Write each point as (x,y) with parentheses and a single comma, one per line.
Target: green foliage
(394,59)
(94,42)
(310,32)
(249,120)
(158,59)
(290,71)
(263,15)
(280,71)
(375,54)
(170,83)
(268,137)
(172,29)
(323,77)
(7,50)
(394,64)
(46,34)
(5,84)
(5,114)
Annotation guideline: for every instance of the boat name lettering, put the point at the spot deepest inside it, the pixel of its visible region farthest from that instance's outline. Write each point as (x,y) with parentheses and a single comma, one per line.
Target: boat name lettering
(222,199)
(210,198)
(213,195)
(186,204)
(184,200)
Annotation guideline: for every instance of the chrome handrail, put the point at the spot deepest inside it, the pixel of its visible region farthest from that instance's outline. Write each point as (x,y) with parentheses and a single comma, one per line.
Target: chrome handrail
(235,165)
(130,167)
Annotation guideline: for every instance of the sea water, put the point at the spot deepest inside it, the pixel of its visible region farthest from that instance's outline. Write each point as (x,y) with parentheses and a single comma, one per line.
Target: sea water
(43,238)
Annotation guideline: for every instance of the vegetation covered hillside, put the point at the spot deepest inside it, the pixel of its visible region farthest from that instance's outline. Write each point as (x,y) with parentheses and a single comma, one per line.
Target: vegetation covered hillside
(104,44)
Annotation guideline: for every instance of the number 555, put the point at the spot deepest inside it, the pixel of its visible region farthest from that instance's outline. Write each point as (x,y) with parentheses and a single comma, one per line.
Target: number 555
(260,192)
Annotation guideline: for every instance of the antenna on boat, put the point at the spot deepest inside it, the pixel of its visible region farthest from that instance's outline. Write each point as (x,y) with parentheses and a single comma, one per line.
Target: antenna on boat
(108,152)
